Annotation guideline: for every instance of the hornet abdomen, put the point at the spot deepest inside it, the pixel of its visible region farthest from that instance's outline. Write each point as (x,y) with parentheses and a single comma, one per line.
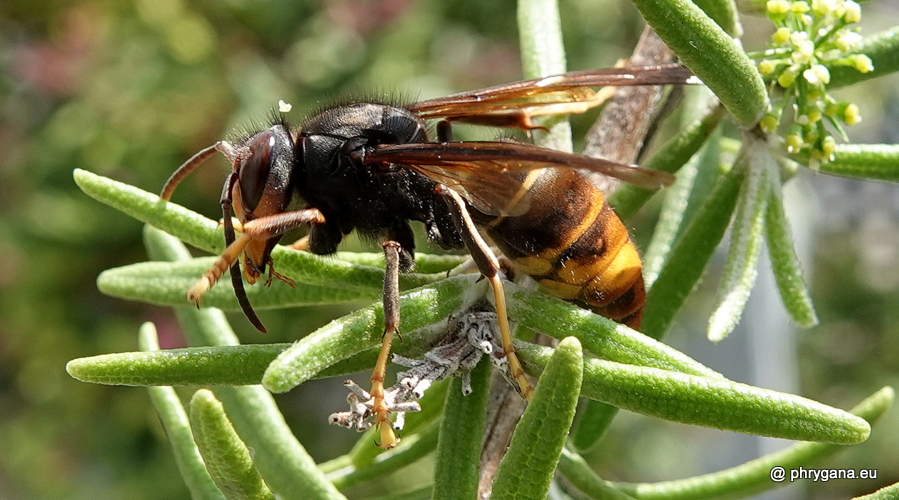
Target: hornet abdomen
(572,243)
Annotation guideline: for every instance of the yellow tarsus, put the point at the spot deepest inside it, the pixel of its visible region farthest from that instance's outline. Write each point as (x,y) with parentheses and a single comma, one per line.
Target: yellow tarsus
(379,406)
(505,330)
(210,277)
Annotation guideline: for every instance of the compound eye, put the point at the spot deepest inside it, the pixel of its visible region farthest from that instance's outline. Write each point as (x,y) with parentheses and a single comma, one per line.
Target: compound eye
(255,170)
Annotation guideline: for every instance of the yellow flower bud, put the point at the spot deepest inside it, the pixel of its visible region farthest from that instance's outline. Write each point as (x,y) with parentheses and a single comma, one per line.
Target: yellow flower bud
(797,37)
(768,123)
(787,78)
(847,41)
(778,6)
(781,35)
(828,146)
(767,67)
(811,135)
(823,7)
(793,143)
(822,73)
(817,75)
(811,77)
(804,52)
(851,115)
(862,63)
(853,11)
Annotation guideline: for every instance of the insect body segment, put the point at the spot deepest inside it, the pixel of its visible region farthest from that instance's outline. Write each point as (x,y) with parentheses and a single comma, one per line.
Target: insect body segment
(572,243)
(371,168)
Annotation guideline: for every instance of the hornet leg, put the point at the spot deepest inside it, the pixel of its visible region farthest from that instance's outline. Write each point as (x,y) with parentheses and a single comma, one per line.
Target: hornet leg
(489,267)
(391,322)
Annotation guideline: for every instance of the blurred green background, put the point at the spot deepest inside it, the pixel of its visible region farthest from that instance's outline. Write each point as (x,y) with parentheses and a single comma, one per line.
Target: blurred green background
(129,89)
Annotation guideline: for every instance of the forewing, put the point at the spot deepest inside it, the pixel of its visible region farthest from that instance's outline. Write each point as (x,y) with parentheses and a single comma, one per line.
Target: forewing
(485,172)
(512,98)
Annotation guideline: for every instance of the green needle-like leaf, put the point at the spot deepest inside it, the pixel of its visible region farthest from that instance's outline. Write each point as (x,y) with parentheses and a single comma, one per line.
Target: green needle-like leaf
(543,54)
(411,448)
(305,267)
(694,182)
(459,447)
(755,475)
(740,481)
(787,271)
(423,493)
(425,263)
(741,266)
(227,457)
(671,221)
(676,152)
(890,492)
(364,328)
(691,253)
(228,365)
(177,427)
(882,48)
(712,55)
(716,403)
(540,37)
(281,460)
(592,421)
(876,162)
(187,225)
(724,12)
(598,335)
(578,471)
(166,284)
(528,467)
(192,366)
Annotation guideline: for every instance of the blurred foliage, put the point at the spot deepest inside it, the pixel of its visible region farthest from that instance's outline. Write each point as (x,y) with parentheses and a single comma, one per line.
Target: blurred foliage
(131,89)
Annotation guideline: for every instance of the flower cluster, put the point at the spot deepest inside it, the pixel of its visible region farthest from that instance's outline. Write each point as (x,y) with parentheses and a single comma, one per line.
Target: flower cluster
(809,38)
